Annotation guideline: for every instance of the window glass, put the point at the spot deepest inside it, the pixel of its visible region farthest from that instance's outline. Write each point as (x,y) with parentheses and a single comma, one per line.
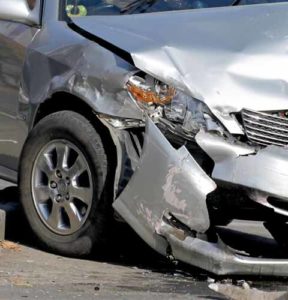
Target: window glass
(83,8)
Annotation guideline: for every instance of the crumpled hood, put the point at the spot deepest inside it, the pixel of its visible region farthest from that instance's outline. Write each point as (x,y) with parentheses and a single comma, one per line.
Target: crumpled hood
(231,57)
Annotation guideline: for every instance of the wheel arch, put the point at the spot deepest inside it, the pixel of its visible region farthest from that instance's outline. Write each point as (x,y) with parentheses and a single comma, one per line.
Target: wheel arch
(60,101)
(64,101)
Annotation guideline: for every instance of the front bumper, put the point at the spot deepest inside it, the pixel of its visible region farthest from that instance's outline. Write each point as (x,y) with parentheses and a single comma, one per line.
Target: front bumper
(165,200)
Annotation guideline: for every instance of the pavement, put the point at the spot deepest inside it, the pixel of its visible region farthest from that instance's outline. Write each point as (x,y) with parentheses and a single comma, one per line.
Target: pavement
(30,273)
(129,270)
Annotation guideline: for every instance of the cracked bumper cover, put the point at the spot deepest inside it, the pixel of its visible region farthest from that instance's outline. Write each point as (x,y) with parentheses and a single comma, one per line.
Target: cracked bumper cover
(178,187)
(177,184)
(264,172)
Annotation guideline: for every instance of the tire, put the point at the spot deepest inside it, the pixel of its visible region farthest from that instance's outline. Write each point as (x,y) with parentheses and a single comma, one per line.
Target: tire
(63,223)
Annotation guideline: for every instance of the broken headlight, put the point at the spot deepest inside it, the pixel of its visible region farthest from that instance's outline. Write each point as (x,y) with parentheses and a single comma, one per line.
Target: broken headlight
(150,91)
(164,103)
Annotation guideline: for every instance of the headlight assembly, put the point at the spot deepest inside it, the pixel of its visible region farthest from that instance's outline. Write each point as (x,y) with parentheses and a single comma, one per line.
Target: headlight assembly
(165,103)
(153,92)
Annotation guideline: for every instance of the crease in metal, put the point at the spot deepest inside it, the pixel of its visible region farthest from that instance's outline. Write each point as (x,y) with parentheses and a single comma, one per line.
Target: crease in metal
(242,65)
(218,258)
(178,185)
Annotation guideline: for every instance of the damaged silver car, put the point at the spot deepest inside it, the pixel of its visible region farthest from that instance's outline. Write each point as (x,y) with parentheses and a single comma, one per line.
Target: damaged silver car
(170,115)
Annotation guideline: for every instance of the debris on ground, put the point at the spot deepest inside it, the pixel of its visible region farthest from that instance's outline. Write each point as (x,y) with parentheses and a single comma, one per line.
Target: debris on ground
(244,284)
(9,246)
(19,281)
(226,281)
(210,280)
(246,293)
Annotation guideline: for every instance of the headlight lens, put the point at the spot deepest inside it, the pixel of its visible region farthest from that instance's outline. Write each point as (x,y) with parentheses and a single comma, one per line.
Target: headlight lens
(150,92)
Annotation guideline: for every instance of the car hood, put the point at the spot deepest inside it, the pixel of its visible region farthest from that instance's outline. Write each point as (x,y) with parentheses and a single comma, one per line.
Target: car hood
(230,58)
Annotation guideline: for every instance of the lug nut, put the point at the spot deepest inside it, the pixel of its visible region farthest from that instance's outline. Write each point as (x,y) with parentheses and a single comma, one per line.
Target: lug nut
(67,197)
(58,173)
(83,211)
(53,184)
(58,198)
(68,180)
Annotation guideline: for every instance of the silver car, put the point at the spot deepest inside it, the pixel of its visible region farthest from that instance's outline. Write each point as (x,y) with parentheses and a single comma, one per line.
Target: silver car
(169,115)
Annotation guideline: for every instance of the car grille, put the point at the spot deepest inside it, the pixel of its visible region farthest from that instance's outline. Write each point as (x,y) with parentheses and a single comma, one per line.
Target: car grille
(265,129)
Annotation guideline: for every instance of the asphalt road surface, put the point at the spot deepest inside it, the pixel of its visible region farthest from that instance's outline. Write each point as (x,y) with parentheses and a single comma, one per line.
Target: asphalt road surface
(128,270)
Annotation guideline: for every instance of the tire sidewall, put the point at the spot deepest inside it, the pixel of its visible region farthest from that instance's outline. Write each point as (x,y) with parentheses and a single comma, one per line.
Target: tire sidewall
(78,131)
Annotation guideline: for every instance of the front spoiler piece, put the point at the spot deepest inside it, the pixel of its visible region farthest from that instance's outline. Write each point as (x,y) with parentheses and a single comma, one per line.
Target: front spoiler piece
(218,258)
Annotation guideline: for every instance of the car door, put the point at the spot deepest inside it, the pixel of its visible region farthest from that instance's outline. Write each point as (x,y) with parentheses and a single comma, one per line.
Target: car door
(17,29)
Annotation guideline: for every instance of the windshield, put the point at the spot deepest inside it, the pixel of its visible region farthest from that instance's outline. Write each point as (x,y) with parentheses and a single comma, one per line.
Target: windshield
(83,8)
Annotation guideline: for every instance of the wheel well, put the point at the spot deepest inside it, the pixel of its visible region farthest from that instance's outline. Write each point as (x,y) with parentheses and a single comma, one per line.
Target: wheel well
(65,101)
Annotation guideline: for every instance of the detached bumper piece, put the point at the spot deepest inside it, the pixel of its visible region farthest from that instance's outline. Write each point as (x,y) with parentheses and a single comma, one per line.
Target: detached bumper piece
(165,203)
(218,258)
(165,180)
(265,171)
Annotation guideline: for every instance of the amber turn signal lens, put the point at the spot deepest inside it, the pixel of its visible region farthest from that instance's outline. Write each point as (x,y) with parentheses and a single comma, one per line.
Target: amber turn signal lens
(150,96)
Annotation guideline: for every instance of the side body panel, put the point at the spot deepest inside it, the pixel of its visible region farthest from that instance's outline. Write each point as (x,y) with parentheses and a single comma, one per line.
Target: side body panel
(14,39)
(62,60)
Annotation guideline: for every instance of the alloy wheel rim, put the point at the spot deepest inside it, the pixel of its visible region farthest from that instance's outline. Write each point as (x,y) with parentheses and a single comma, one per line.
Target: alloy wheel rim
(62,187)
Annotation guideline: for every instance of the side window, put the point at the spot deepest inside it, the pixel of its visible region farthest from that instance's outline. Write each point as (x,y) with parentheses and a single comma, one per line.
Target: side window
(220,3)
(82,8)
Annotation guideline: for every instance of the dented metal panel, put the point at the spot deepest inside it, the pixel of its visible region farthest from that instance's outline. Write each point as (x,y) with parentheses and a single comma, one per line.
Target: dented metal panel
(266,171)
(219,148)
(218,258)
(230,58)
(165,180)
(70,63)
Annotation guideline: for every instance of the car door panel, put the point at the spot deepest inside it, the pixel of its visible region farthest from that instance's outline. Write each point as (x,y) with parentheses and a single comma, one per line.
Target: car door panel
(14,40)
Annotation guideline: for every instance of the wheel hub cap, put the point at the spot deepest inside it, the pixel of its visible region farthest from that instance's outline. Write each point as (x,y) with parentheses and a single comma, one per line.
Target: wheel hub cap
(62,187)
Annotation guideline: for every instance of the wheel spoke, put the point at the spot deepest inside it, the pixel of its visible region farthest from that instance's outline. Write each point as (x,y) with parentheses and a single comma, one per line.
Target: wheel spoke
(78,167)
(45,164)
(81,193)
(73,215)
(62,151)
(41,193)
(54,217)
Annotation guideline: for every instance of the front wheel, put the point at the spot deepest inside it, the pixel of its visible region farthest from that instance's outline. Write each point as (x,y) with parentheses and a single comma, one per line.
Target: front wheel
(63,171)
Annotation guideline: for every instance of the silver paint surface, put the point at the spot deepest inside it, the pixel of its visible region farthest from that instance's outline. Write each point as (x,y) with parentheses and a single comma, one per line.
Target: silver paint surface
(18,11)
(14,39)
(72,64)
(220,149)
(218,258)
(265,171)
(230,58)
(262,170)
(163,182)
